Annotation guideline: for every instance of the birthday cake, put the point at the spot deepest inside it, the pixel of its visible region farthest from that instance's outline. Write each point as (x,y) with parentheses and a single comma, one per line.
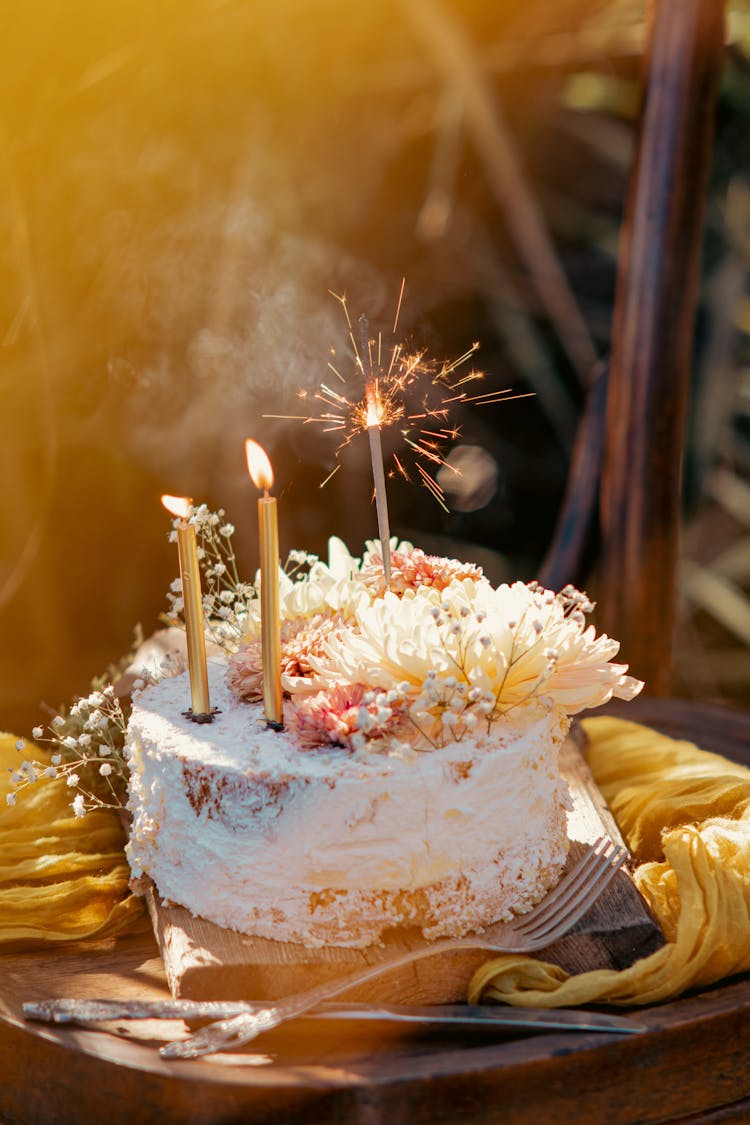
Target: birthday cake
(415,781)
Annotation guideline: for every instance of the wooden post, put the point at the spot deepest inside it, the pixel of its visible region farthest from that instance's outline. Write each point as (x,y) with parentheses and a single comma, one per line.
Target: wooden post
(652,336)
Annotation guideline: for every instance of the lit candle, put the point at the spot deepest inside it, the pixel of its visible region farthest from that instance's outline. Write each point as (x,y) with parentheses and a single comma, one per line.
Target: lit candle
(261,474)
(190,576)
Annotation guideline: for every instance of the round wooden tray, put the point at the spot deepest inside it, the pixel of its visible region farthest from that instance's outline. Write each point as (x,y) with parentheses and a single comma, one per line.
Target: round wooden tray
(693,1064)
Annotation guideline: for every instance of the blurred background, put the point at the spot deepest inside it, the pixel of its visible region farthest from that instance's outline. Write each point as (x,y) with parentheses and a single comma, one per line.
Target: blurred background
(186,183)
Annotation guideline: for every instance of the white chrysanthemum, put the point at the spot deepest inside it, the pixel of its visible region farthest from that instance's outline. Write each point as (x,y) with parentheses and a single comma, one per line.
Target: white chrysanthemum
(513,644)
(341,563)
(322,591)
(584,677)
(391,639)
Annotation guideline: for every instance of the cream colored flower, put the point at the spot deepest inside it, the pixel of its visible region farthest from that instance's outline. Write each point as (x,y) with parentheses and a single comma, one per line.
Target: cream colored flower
(456,651)
(321,592)
(513,644)
(584,677)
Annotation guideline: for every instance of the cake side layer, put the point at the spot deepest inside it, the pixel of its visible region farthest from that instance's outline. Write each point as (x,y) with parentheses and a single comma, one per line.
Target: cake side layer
(242,827)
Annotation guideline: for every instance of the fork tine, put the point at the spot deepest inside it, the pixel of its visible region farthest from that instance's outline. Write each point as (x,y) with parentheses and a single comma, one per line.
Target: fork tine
(563,925)
(581,888)
(575,884)
(547,930)
(568,885)
(571,885)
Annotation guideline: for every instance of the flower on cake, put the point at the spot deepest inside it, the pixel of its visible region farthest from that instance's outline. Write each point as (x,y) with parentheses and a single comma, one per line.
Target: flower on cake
(324,603)
(513,642)
(302,637)
(312,608)
(441,655)
(412,569)
(472,653)
(351,715)
(226,597)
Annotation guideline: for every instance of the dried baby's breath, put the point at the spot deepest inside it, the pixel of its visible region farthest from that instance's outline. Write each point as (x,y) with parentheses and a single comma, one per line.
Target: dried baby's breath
(86,751)
(225,596)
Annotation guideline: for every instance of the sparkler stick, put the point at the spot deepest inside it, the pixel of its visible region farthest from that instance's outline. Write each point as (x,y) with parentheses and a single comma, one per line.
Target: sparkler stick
(378,476)
(373,422)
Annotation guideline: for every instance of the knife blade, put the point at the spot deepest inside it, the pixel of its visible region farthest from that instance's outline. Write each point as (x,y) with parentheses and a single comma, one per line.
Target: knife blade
(480,1015)
(82,1012)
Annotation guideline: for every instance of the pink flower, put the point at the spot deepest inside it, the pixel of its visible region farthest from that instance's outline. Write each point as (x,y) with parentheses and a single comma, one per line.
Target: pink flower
(327,717)
(342,716)
(412,569)
(245,672)
(301,637)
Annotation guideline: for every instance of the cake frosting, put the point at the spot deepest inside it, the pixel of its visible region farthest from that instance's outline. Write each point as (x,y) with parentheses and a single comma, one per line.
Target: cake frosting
(416,780)
(240,825)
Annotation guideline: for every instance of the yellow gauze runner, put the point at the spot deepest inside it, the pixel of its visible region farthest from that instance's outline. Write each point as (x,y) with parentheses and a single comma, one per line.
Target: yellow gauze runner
(685,815)
(62,877)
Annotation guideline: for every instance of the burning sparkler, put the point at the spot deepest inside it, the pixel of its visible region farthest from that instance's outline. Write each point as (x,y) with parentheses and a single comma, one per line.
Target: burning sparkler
(397,387)
(374,422)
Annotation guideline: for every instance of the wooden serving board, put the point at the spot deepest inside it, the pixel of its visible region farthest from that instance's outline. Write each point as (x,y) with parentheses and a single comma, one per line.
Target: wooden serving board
(205,961)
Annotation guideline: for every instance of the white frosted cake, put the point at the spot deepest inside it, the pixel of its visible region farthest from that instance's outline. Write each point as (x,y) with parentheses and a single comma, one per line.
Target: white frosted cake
(416,781)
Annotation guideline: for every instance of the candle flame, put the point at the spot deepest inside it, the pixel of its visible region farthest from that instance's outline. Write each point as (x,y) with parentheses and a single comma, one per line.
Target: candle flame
(179,506)
(258,465)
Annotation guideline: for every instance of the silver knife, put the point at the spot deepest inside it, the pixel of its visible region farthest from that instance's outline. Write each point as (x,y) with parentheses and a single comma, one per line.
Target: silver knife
(479,1015)
(83,1012)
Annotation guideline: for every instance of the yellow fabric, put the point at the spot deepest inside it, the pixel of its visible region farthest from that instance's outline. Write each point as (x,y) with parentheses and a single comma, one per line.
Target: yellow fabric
(685,815)
(62,877)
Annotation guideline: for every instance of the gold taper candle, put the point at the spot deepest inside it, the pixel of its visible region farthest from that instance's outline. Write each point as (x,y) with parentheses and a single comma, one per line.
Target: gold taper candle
(192,601)
(261,473)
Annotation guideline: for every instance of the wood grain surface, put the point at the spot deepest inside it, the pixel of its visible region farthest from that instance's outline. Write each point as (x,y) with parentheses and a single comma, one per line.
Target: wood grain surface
(693,1064)
(203,961)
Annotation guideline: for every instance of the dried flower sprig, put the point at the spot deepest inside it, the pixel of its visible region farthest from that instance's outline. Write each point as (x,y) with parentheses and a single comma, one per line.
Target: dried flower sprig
(86,741)
(87,753)
(225,596)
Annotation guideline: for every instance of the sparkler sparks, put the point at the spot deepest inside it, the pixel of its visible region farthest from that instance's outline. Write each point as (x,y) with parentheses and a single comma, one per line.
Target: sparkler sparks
(393,386)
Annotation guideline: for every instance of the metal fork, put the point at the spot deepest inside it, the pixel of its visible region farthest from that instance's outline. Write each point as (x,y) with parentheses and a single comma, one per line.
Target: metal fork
(550,920)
